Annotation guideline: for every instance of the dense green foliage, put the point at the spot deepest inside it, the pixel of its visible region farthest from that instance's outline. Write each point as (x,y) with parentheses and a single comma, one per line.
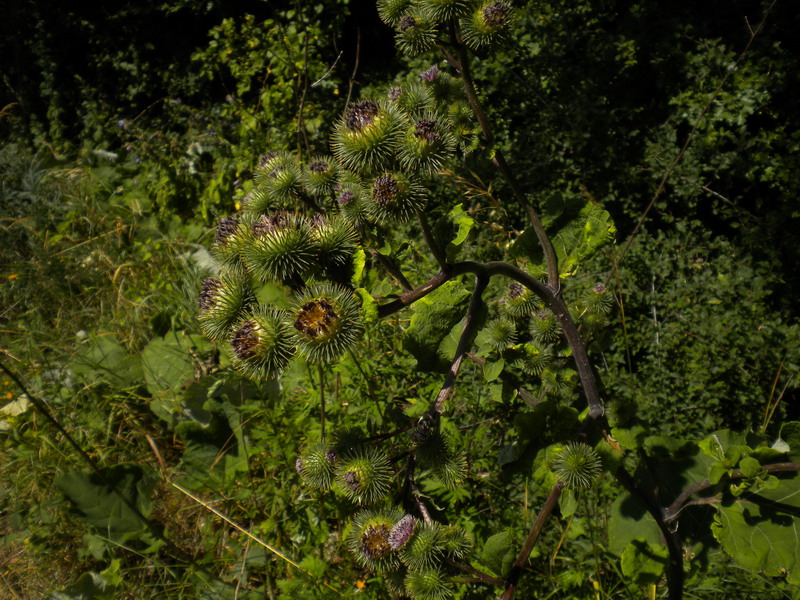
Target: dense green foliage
(658,143)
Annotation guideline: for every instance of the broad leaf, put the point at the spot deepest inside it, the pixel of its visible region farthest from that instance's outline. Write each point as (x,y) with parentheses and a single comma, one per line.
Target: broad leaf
(103,357)
(498,553)
(434,316)
(760,531)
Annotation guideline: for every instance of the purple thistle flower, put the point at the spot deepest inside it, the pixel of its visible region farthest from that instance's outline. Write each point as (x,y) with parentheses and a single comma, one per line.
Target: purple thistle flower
(345,198)
(265,159)
(515,290)
(318,166)
(352,480)
(430,74)
(402,532)
(599,288)
(298,465)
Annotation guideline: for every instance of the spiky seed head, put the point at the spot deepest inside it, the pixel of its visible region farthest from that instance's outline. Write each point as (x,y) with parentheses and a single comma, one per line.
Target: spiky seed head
(369,537)
(366,138)
(336,239)
(391,11)
(416,33)
(413,99)
(486,25)
(427,427)
(278,178)
(544,327)
(500,334)
(327,322)
(457,542)
(425,547)
(262,344)
(598,300)
(535,359)
(577,465)
(319,176)
(452,470)
(401,532)
(257,201)
(364,477)
(443,10)
(394,580)
(428,143)
(279,246)
(222,303)
(396,197)
(228,242)
(557,381)
(316,467)
(519,301)
(428,584)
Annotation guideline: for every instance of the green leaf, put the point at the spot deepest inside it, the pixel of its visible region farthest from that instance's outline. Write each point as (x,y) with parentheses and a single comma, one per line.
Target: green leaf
(629,521)
(750,466)
(359,260)
(368,305)
(760,530)
(434,317)
(95,503)
(568,503)
(167,363)
(272,294)
(498,554)
(492,369)
(644,563)
(464,225)
(575,238)
(103,357)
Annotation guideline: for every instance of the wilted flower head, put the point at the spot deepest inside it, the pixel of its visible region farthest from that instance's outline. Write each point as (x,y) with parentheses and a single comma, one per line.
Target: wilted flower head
(407,23)
(210,288)
(225,228)
(266,224)
(385,189)
(425,129)
(345,198)
(245,340)
(495,14)
(515,290)
(360,115)
(318,166)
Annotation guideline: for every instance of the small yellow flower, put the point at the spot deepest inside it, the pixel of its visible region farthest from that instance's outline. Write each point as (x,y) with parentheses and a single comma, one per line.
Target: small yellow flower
(9,395)
(336,92)
(12,277)
(361,584)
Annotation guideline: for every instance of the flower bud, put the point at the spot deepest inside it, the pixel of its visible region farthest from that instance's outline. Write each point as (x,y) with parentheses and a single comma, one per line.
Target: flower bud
(262,344)
(426,144)
(577,465)
(319,176)
(416,33)
(222,302)
(278,247)
(366,138)
(486,25)
(364,477)
(396,197)
(545,327)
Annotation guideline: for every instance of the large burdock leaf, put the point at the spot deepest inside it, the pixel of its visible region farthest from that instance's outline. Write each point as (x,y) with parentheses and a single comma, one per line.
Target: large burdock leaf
(762,531)
(498,553)
(434,316)
(167,362)
(576,237)
(95,503)
(103,357)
